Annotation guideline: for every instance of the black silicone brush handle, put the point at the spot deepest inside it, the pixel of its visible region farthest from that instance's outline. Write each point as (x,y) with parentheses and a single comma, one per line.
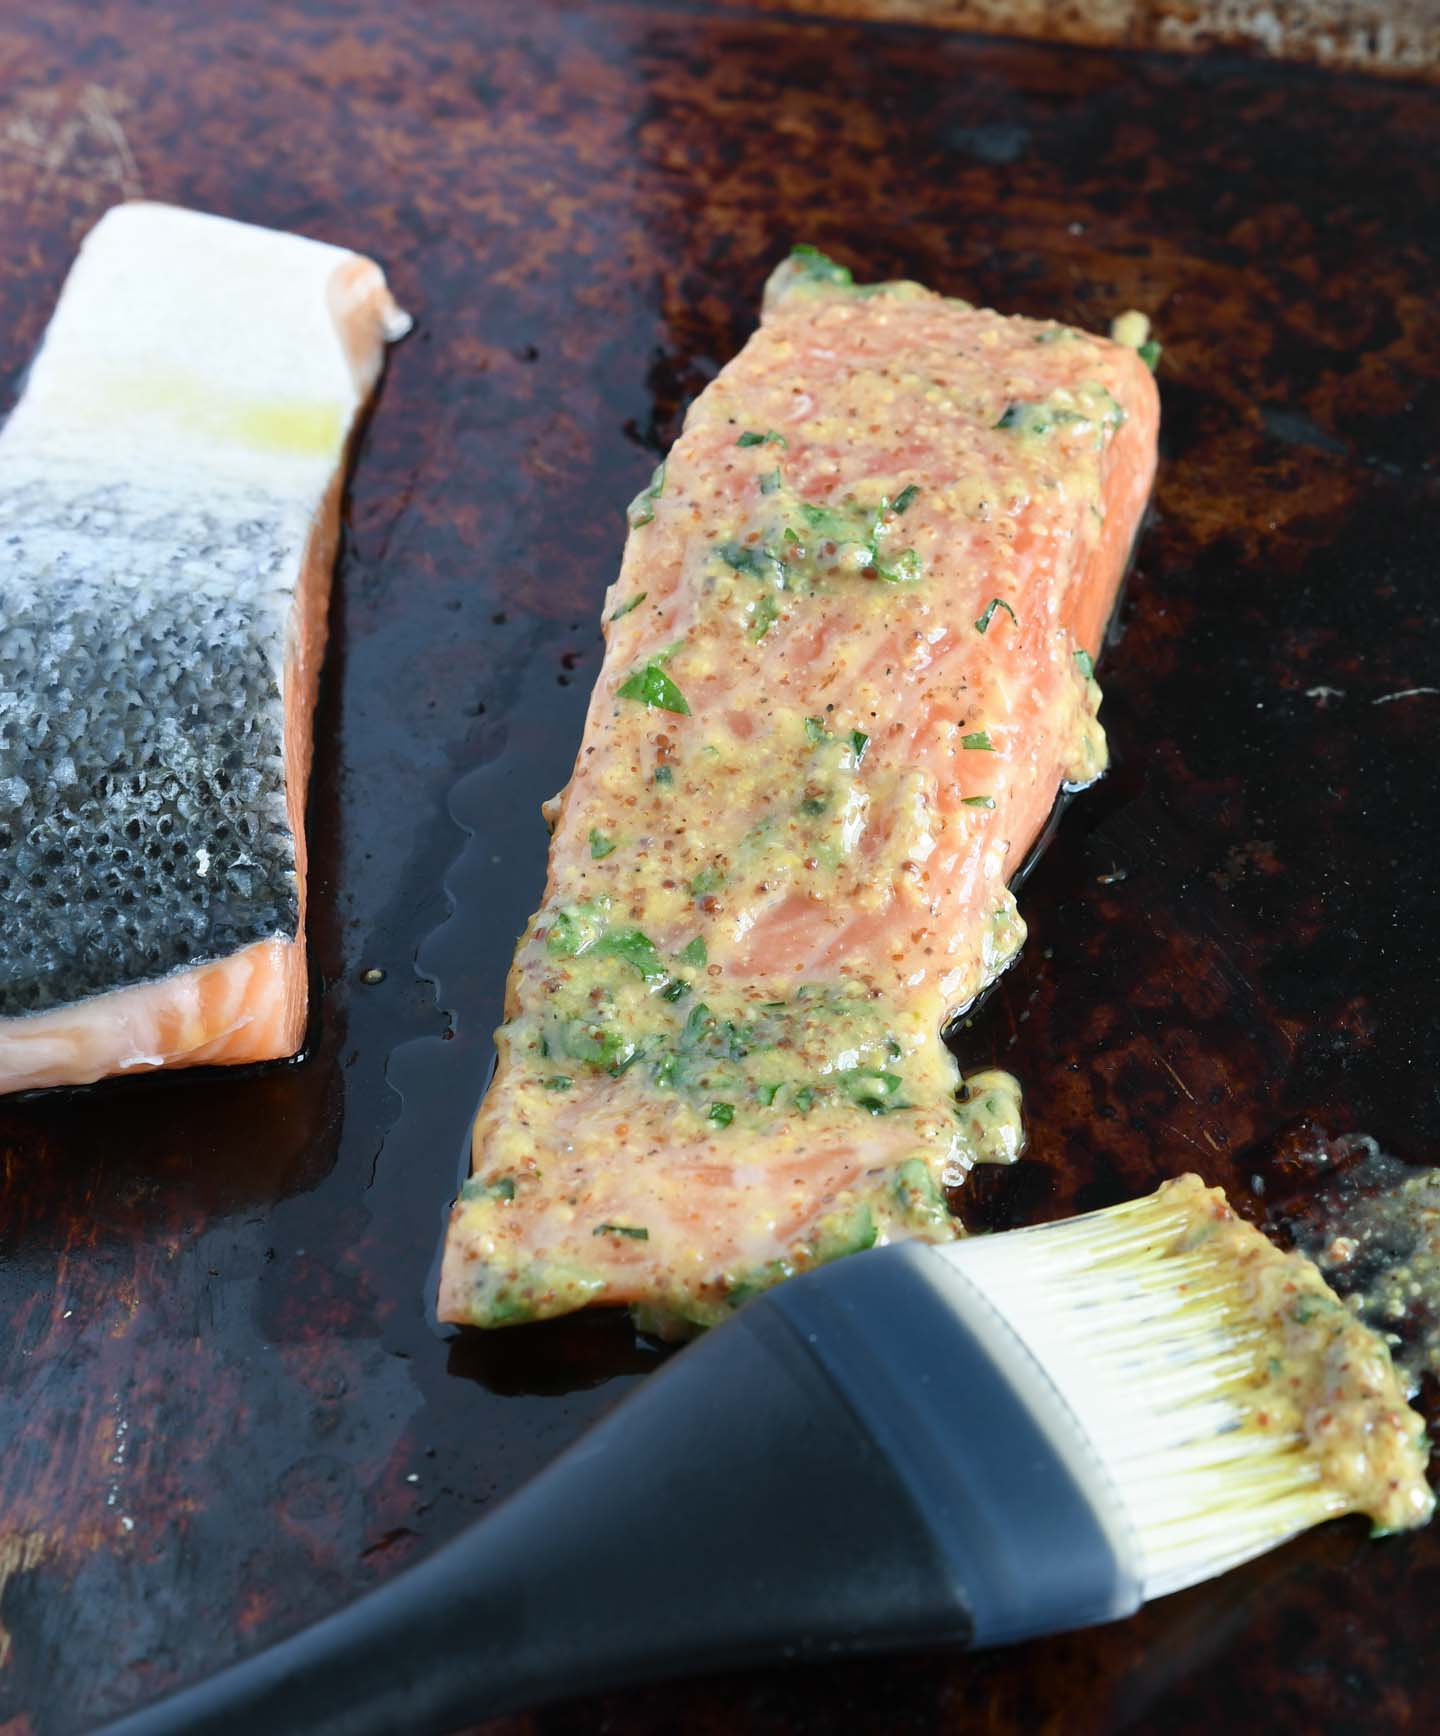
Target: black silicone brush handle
(749,1503)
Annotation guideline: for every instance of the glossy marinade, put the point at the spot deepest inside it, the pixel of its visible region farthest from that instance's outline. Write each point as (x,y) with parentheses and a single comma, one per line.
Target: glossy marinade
(1308,1370)
(848,668)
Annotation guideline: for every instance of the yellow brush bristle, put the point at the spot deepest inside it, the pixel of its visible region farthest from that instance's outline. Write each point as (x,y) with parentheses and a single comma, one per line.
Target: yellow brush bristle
(1231,1397)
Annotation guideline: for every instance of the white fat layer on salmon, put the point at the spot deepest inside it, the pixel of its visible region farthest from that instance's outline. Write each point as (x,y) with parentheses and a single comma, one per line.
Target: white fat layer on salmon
(848,669)
(169,488)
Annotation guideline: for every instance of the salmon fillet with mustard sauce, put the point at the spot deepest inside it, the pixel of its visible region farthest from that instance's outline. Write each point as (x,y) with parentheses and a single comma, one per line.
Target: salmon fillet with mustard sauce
(848,669)
(169,508)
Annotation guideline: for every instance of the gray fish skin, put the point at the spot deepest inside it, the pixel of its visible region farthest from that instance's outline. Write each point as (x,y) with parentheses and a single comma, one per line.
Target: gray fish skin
(143,822)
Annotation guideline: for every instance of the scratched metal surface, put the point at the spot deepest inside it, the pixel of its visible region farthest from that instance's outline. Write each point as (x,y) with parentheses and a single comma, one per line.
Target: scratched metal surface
(223,1411)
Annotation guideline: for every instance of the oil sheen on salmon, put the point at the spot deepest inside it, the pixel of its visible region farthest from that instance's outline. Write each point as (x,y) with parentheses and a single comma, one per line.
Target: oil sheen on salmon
(848,667)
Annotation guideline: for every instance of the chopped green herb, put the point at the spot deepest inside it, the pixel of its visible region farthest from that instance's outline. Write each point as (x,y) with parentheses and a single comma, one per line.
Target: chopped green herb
(813,805)
(625,608)
(567,936)
(600,845)
(830,523)
(906,570)
(745,559)
(859,741)
(917,1193)
(1086,663)
(652,686)
(804,1097)
(693,953)
(766,1094)
(675,990)
(770,481)
(980,739)
(575,929)
(642,509)
(636,948)
(761,1278)
(871,1090)
(770,438)
(708,880)
(767,613)
(502,1188)
(904,498)
(722,1114)
(815,731)
(636,1232)
(978,801)
(845,1233)
(559,1082)
(1150,353)
(1028,417)
(995,603)
(818,267)
(664,775)
(598,1045)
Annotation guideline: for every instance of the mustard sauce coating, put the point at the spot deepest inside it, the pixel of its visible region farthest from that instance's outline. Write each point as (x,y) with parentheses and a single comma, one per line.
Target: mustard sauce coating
(848,666)
(1381,1248)
(1316,1374)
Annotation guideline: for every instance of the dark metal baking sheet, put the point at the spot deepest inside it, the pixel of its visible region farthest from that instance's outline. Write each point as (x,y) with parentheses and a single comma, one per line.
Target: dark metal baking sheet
(223,1410)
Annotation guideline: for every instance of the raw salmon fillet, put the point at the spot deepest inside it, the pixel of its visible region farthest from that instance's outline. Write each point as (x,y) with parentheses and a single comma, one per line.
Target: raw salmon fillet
(169,508)
(848,669)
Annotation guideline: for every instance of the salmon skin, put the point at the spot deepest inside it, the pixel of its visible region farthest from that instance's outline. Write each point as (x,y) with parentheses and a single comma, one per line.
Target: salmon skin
(848,668)
(169,508)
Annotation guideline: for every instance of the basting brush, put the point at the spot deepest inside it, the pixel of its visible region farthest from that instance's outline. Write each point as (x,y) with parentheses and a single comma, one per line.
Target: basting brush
(917,1446)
